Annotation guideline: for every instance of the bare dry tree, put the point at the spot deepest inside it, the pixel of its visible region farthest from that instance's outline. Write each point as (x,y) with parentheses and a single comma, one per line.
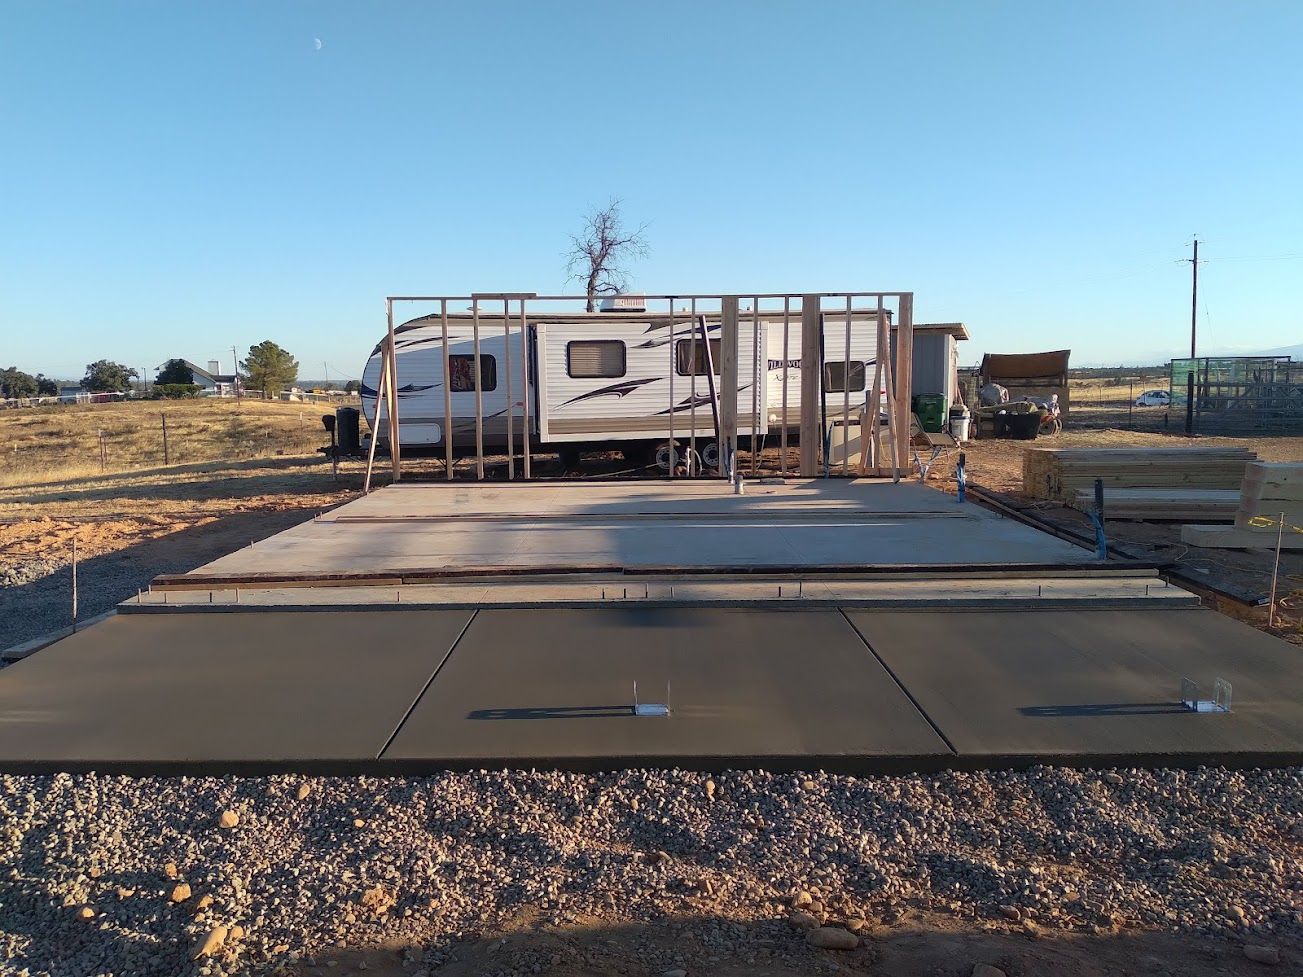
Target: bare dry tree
(599,252)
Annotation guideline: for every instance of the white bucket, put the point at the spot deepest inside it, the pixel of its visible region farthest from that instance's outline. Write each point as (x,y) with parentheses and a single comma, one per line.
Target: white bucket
(959,428)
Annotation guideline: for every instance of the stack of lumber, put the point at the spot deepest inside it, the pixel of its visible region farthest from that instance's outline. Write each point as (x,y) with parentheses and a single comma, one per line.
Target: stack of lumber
(1271,495)
(1059,473)
(1160,504)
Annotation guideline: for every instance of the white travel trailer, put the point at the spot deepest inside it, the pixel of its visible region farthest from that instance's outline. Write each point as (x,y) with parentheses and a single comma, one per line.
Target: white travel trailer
(627,380)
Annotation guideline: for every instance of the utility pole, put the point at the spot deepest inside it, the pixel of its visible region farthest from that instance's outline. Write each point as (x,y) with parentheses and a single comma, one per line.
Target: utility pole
(235,373)
(1194,296)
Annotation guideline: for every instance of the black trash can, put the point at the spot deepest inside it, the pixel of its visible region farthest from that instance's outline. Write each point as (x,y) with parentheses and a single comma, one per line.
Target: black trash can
(348,422)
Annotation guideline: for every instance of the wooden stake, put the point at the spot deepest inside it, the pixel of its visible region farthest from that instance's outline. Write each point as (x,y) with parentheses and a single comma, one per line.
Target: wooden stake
(167,457)
(382,397)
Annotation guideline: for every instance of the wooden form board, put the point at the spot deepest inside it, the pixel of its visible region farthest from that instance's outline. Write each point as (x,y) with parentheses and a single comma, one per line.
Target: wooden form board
(1058,473)
(1194,504)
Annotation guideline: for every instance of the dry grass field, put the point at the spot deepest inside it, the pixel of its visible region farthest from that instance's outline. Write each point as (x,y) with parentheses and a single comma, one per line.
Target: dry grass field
(47,443)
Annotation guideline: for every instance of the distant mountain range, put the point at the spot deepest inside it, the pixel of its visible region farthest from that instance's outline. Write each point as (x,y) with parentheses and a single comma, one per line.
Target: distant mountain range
(1160,359)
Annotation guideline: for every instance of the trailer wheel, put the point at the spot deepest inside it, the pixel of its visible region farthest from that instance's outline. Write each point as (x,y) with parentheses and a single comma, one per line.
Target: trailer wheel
(710,454)
(568,456)
(666,456)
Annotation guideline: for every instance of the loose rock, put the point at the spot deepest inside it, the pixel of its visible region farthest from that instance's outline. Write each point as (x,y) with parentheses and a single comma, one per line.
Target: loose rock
(1261,953)
(180,892)
(212,942)
(832,938)
(229,819)
(986,970)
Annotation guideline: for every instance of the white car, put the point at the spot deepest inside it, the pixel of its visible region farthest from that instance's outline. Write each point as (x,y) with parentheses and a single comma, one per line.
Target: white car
(1154,398)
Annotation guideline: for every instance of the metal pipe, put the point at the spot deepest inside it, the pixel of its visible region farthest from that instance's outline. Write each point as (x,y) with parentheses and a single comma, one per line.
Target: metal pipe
(506,369)
(524,387)
(672,451)
(692,399)
(479,393)
(755,382)
(846,395)
(447,392)
(787,322)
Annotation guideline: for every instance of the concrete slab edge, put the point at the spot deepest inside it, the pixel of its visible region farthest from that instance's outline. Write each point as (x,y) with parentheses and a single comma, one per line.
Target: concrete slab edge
(857,765)
(22,650)
(1174,602)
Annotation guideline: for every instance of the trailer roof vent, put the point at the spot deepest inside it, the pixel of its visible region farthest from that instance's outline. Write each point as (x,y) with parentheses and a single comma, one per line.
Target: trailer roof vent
(635,302)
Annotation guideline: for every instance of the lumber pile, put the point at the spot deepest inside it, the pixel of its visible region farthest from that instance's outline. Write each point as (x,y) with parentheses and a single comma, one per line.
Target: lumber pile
(1164,504)
(1271,496)
(1059,473)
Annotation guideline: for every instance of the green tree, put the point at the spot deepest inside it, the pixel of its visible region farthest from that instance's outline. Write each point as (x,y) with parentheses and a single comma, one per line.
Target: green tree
(352,387)
(45,387)
(270,368)
(175,371)
(15,383)
(105,376)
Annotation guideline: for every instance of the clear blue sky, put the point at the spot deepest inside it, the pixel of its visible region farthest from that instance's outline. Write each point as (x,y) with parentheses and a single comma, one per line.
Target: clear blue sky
(176,178)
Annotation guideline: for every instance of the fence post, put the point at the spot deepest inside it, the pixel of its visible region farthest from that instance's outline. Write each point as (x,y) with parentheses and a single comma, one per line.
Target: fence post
(728,377)
(811,381)
(167,456)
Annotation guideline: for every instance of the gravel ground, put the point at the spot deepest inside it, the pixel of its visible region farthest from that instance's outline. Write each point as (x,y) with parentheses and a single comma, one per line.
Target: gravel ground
(115,875)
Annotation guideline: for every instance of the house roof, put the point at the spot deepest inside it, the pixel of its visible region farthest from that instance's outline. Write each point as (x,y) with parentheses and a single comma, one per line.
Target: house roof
(199,371)
(956,329)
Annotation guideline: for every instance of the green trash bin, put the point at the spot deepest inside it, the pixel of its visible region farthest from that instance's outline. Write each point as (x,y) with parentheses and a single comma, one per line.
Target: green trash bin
(931,411)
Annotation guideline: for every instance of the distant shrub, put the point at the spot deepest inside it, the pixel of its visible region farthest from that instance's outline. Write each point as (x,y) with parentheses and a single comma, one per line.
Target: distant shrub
(175,391)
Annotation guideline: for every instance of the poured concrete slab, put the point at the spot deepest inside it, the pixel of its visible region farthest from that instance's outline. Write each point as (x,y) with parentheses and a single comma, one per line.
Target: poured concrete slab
(199,693)
(658,497)
(746,687)
(1074,685)
(812,523)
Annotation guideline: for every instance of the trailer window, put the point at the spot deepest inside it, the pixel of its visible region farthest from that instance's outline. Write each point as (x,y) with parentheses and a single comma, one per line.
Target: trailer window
(461,373)
(594,358)
(683,364)
(834,376)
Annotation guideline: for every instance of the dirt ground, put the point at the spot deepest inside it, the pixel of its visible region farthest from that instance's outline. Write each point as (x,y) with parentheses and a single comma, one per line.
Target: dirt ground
(916,945)
(132,526)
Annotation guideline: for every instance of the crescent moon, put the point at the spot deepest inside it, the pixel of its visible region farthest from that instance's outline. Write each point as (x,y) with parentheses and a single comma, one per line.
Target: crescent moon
(316,43)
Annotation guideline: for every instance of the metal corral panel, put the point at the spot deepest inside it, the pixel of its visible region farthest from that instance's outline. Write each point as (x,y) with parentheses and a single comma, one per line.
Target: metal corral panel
(221,691)
(795,689)
(1077,685)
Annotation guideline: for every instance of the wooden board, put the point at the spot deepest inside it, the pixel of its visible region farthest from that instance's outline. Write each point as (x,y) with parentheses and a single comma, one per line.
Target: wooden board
(1194,504)
(1058,473)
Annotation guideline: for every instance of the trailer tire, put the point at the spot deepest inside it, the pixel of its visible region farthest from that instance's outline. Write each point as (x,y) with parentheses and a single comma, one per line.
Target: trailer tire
(667,456)
(710,454)
(568,456)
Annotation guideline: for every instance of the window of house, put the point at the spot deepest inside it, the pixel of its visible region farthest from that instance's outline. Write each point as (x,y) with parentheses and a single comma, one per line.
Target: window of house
(592,358)
(461,373)
(683,356)
(835,378)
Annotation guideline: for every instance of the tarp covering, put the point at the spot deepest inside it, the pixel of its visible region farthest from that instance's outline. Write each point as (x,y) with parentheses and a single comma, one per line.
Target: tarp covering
(1051,367)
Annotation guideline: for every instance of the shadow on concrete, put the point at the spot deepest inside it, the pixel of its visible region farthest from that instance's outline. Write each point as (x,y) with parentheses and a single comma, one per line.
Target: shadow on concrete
(553,712)
(1103,709)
